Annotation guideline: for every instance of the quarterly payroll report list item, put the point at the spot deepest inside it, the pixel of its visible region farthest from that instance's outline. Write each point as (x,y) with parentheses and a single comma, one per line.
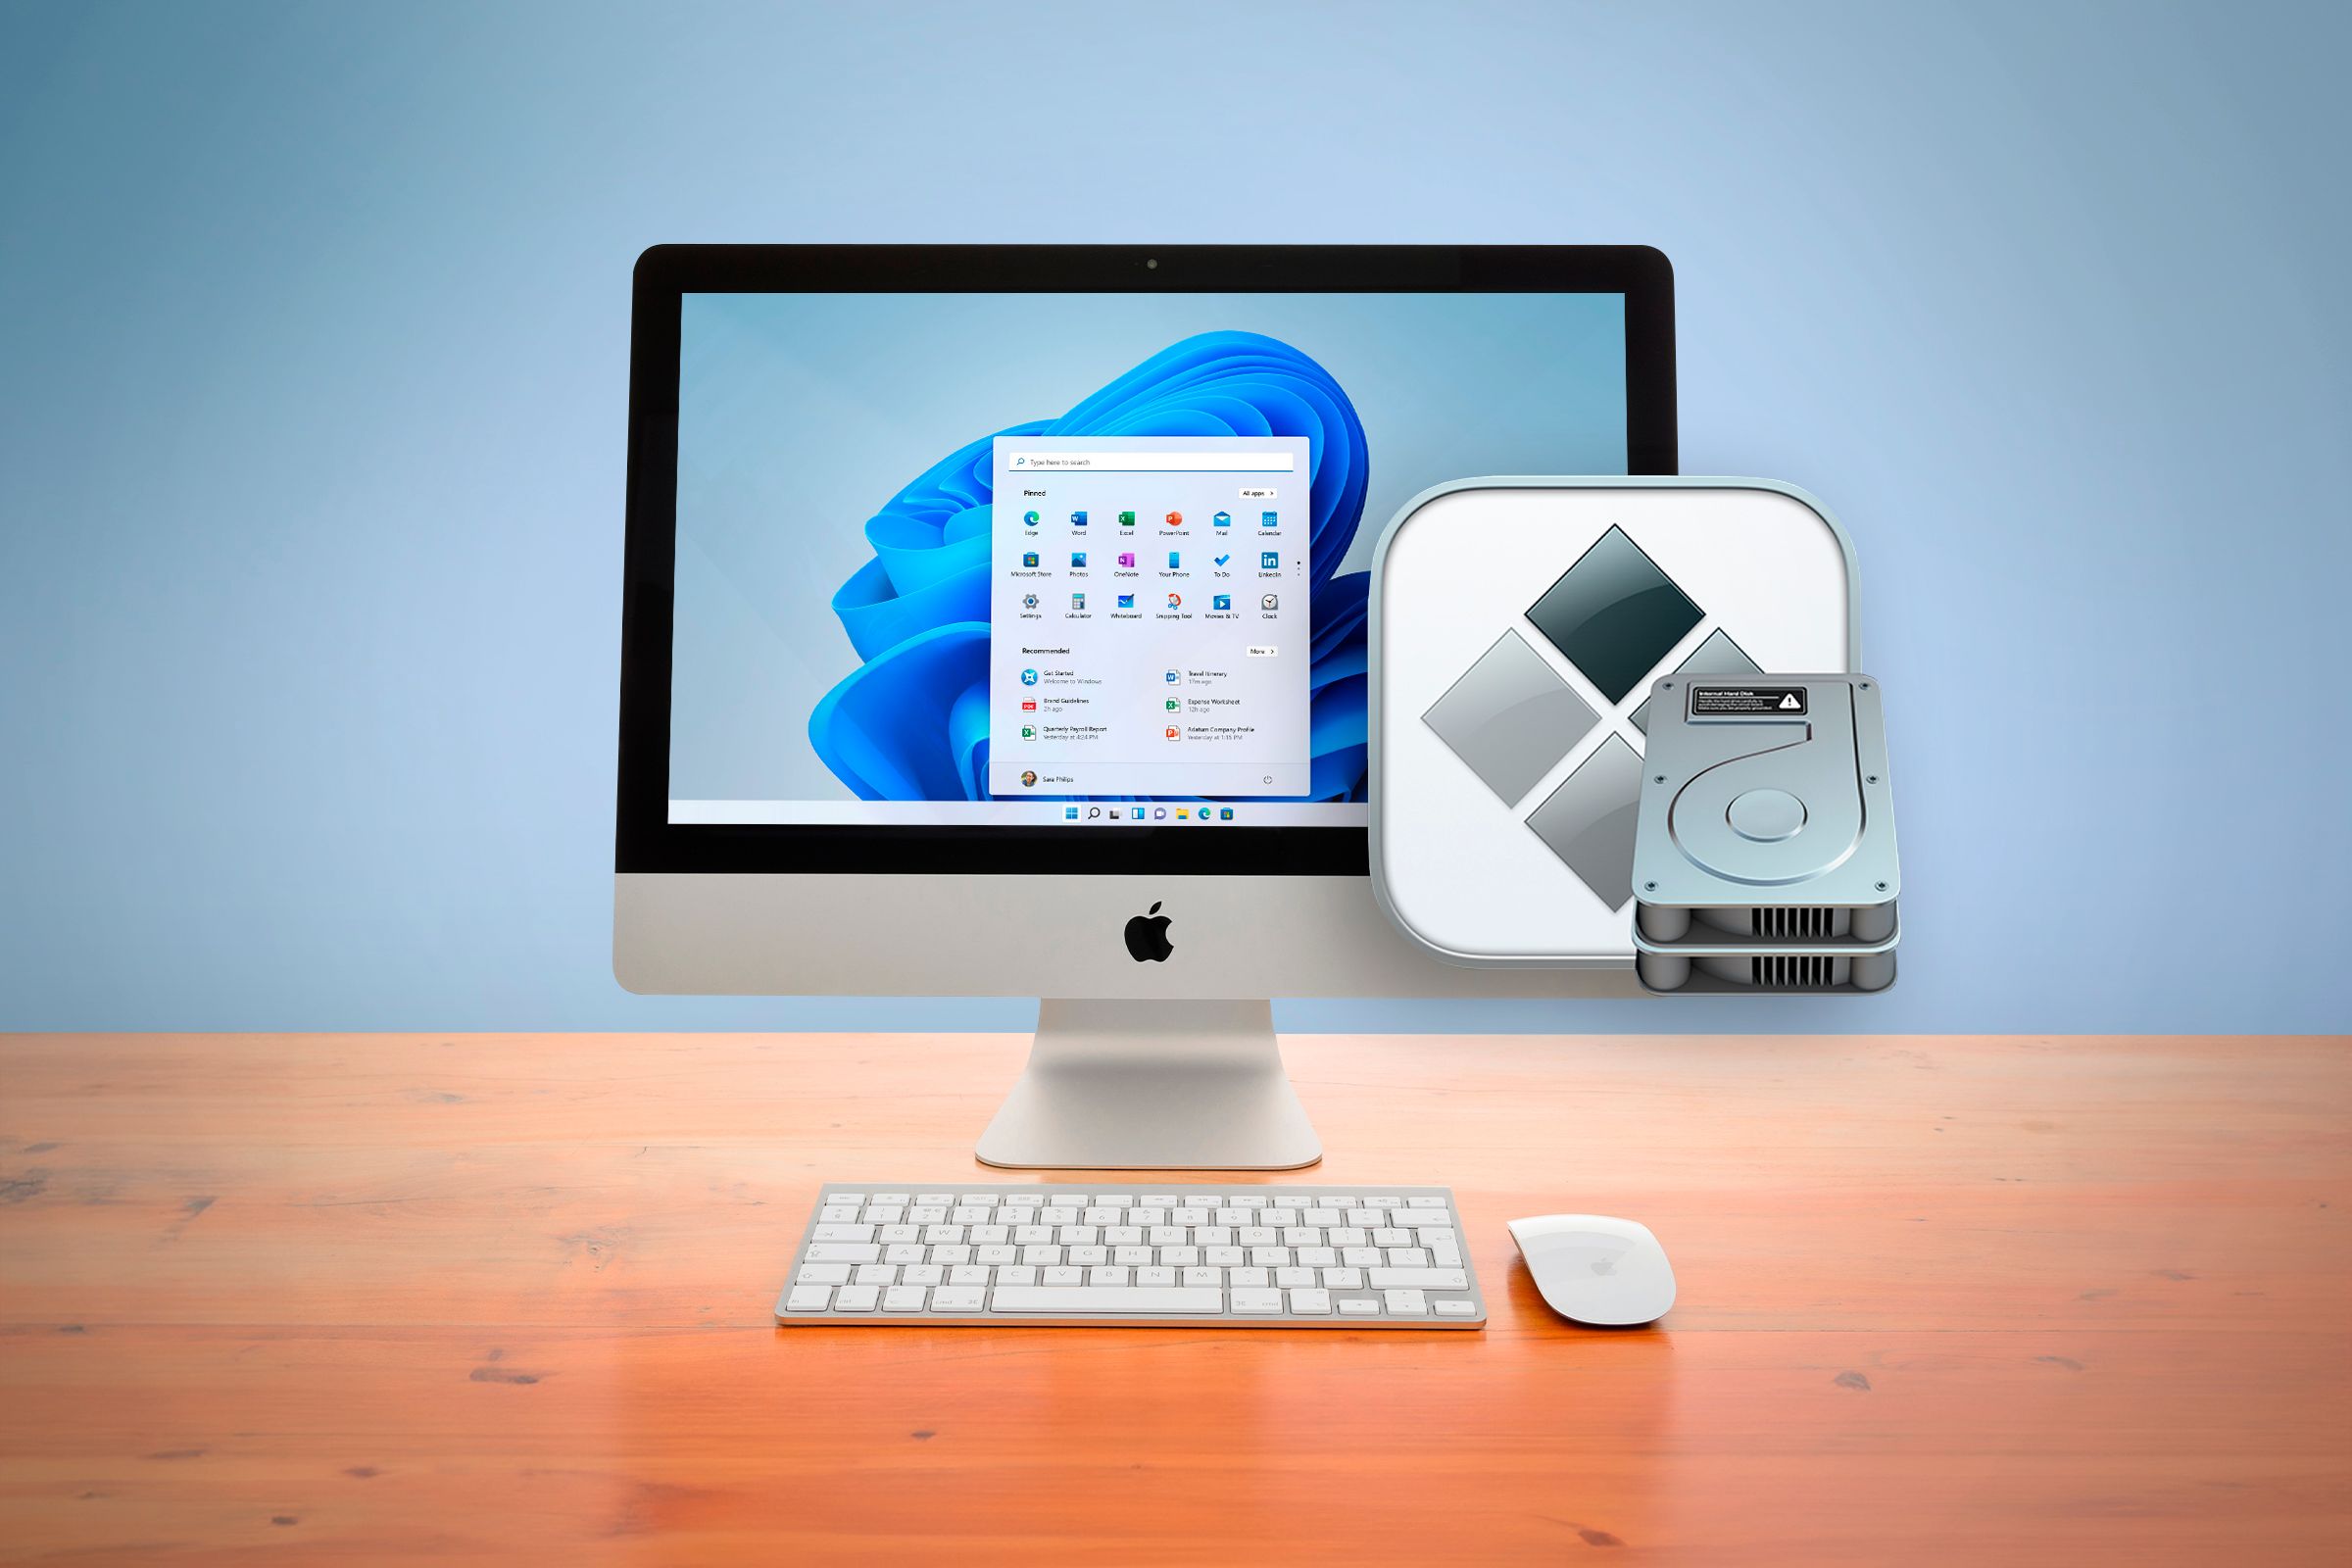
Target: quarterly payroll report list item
(1151,616)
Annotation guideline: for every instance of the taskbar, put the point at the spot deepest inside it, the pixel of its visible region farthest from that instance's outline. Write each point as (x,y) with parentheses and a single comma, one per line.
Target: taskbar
(1019,814)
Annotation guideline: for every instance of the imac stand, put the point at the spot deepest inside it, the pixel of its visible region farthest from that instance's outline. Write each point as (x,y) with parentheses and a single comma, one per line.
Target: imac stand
(1153,1086)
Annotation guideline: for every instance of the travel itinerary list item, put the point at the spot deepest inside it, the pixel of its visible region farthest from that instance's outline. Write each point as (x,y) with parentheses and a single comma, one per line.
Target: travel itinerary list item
(1151,616)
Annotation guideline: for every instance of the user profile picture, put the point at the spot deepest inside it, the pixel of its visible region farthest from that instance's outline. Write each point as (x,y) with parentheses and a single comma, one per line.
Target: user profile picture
(1029,781)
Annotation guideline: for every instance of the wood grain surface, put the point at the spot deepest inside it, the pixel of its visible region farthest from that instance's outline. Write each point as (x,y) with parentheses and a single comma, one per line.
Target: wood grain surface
(408,1299)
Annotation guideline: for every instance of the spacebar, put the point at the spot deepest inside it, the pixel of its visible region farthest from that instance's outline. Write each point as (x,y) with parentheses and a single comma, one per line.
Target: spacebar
(1108,1299)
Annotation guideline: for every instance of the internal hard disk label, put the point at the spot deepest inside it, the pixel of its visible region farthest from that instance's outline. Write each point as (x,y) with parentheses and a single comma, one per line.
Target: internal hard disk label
(1724,702)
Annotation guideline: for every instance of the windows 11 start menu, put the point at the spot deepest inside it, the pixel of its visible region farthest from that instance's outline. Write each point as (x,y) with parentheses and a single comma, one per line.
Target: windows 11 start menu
(1150,619)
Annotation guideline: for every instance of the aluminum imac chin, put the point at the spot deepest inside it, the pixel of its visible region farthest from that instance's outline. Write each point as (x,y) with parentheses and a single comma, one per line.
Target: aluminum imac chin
(993,626)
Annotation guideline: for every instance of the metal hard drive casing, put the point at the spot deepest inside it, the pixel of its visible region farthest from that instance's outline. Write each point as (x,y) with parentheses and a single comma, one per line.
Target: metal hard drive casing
(1765,854)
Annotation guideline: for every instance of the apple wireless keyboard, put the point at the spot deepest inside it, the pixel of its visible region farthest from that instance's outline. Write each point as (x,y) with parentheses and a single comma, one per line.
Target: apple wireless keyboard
(1375,1256)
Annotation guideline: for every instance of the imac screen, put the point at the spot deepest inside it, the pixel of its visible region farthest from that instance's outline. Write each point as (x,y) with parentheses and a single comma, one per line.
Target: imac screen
(969,559)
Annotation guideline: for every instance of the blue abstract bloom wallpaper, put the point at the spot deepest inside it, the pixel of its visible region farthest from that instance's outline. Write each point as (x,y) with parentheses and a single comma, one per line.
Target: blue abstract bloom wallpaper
(911,721)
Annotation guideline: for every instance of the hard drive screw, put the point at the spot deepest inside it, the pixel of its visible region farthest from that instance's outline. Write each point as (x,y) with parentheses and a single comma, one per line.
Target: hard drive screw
(1869,778)
(1660,778)
(1882,887)
(1653,887)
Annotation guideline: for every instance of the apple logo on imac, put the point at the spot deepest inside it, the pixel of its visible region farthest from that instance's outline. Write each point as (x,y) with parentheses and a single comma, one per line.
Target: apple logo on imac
(1147,937)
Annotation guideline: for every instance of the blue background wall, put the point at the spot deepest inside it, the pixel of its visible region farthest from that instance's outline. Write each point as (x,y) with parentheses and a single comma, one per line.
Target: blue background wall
(312,333)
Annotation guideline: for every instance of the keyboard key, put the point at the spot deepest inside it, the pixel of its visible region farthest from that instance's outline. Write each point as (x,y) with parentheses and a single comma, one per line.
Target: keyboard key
(845,1198)
(1342,1279)
(968,1274)
(1287,1278)
(838,1214)
(1454,1307)
(903,1299)
(893,1198)
(921,1274)
(1425,1202)
(1257,1300)
(1023,1199)
(1066,1274)
(1311,1302)
(877,1273)
(822,1274)
(1422,1279)
(1359,1306)
(842,1233)
(1247,1278)
(1017,1274)
(900,1252)
(1134,1299)
(1204,1275)
(959,1299)
(842,1252)
(856,1299)
(1107,1274)
(1444,1255)
(935,1198)
(1408,1257)
(808,1298)
(1156,1274)
(1406,1303)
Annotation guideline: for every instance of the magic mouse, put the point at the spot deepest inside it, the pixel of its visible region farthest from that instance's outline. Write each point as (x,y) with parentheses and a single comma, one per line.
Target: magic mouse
(1611,1273)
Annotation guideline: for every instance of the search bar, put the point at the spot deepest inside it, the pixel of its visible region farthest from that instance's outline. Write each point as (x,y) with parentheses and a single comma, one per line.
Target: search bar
(1146,461)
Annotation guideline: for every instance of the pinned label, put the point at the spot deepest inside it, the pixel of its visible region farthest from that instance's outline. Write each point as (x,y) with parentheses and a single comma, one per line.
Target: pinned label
(1723,702)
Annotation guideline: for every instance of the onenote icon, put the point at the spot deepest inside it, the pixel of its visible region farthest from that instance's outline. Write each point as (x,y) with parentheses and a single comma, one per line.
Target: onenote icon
(1175,520)
(1126,558)
(1146,937)
(1029,781)
(1223,519)
(1028,678)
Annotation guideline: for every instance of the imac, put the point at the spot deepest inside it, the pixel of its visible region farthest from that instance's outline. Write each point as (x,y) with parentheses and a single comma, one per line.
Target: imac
(995,624)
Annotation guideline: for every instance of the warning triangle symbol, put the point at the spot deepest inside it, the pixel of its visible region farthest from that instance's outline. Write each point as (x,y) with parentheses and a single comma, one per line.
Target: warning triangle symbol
(1789,700)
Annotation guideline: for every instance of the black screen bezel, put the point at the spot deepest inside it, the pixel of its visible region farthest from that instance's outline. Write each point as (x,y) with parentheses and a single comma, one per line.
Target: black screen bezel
(647,841)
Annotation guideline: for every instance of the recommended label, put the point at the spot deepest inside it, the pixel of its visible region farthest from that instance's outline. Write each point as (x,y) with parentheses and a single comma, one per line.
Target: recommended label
(1747,702)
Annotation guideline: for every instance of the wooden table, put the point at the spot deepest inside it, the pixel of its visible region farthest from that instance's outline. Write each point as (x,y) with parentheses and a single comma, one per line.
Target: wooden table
(506,1299)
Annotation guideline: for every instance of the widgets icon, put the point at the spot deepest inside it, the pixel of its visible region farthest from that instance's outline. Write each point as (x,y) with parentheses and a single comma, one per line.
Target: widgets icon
(1270,601)
(1126,601)
(1028,558)
(1078,559)
(1175,601)
(1267,560)
(1126,520)
(1077,519)
(1223,519)
(1028,520)
(1028,678)
(1175,520)
(1135,813)
(1127,558)
(1222,601)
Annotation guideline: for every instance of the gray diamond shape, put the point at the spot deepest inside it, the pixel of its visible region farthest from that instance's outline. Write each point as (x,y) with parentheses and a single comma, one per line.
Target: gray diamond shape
(1589,820)
(1615,615)
(1511,718)
(1717,655)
